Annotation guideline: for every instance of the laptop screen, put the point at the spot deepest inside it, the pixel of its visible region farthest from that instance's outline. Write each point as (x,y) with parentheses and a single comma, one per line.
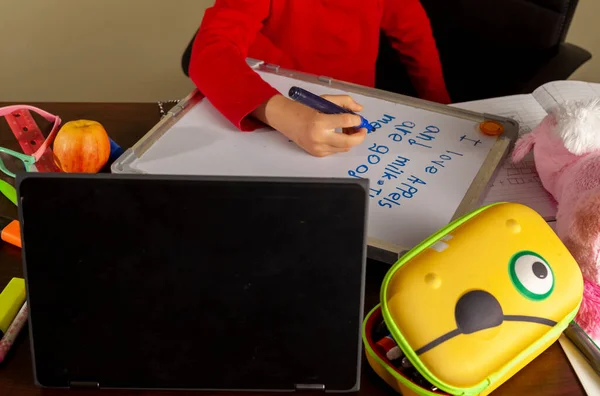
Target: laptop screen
(194,283)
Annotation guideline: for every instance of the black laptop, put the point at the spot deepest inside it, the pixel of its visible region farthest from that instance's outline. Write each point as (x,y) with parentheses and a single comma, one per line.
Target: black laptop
(207,283)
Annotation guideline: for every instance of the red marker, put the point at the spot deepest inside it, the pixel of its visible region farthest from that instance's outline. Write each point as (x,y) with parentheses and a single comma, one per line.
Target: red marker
(10,231)
(389,348)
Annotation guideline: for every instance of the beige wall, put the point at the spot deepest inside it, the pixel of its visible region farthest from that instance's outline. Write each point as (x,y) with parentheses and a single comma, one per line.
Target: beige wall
(585,32)
(59,50)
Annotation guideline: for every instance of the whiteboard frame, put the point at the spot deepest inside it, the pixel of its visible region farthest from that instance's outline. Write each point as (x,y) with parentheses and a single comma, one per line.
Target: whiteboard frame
(377,249)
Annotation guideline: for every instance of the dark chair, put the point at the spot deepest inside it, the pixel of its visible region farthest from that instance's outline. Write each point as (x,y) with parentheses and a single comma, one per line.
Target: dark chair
(492,48)
(489,48)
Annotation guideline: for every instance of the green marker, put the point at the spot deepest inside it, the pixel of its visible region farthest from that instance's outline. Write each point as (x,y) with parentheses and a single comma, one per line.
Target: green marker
(9,191)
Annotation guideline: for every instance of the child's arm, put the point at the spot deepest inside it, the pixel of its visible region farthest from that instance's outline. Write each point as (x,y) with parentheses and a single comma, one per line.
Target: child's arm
(219,70)
(218,61)
(407,26)
(263,48)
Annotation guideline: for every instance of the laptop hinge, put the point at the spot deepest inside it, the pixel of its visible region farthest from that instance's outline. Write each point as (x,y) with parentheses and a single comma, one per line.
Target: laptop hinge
(310,387)
(84,385)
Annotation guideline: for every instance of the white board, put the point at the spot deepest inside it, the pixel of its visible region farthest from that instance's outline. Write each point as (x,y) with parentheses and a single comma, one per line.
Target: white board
(420,163)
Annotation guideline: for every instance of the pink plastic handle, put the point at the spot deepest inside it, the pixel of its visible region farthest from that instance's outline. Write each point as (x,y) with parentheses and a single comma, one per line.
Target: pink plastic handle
(50,117)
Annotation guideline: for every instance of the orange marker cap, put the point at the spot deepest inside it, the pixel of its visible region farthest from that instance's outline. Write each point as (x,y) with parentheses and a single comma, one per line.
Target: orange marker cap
(491,128)
(12,233)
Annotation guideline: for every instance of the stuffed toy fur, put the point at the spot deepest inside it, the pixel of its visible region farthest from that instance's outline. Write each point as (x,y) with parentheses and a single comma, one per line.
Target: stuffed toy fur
(566,150)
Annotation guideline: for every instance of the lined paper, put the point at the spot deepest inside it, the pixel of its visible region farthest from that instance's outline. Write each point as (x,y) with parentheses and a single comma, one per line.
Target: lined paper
(517,182)
(520,182)
(551,94)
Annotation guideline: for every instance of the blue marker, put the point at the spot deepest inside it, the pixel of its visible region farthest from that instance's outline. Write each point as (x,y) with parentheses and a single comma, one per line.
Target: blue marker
(115,153)
(324,106)
(115,150)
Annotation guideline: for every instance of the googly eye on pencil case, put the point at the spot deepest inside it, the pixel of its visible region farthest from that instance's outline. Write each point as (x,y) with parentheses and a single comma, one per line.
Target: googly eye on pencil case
(470,306)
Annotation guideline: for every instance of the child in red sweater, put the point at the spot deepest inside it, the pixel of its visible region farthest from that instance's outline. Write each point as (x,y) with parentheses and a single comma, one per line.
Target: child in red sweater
(337,38)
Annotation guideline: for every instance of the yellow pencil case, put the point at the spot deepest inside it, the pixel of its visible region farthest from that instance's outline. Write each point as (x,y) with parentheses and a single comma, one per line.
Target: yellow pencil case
(473,304)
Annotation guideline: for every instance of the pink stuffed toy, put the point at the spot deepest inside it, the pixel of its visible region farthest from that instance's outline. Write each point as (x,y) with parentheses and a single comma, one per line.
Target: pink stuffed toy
(566,150)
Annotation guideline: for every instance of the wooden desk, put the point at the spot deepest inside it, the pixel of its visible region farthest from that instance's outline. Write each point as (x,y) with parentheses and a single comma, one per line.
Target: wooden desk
(548,375)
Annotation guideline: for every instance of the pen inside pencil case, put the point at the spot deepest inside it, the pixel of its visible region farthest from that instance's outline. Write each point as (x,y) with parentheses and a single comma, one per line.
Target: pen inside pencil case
(390,349)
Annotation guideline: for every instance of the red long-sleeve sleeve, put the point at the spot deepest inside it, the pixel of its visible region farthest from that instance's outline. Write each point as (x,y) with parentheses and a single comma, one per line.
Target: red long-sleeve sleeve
(218,63)
(337,38)
(407,26)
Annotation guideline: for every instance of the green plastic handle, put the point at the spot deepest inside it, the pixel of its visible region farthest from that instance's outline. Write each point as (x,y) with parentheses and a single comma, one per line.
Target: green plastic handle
(9,191)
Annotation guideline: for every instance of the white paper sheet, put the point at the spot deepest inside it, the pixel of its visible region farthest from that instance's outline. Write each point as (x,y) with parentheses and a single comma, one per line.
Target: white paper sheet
(556,92)
(586,374)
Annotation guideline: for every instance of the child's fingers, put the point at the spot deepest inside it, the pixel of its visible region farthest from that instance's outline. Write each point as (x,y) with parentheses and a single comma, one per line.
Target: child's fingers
(344,120)
(345,101)
(349,131)
(344,141)
(325,151)
(333,150)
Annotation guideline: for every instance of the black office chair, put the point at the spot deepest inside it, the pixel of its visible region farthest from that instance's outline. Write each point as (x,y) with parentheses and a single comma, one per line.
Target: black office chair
(488,48)
(492,48)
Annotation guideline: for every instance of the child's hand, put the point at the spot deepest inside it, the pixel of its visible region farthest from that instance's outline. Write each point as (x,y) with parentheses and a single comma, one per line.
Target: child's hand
(313,131)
